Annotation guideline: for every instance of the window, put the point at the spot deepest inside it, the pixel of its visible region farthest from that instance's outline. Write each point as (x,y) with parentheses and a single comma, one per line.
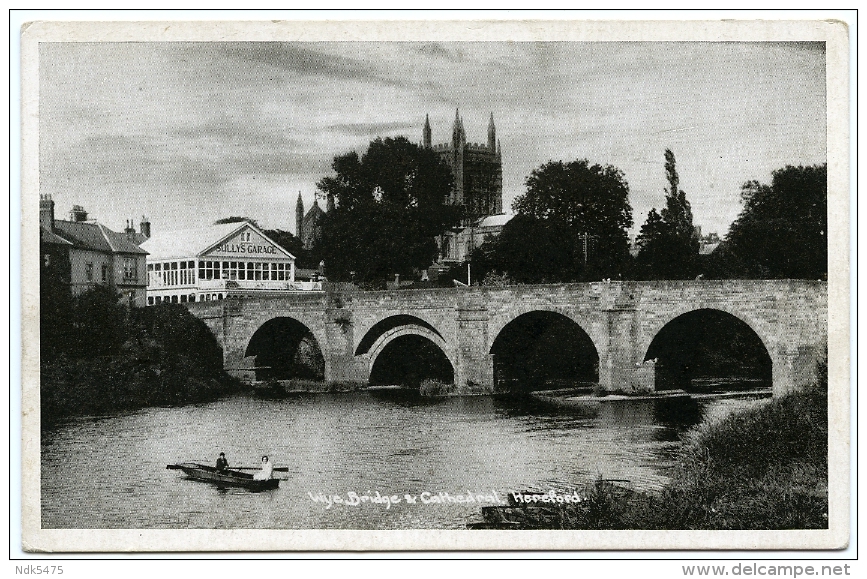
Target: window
(104,273)
(88,271)
(47,260)
(130,269)
(150,300)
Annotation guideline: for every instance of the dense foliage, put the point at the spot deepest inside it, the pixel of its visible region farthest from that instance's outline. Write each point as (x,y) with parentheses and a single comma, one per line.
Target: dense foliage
(668,241)
(390,204)
(528,250)
(104,356)
(570,225)
(304,258)
(782,229)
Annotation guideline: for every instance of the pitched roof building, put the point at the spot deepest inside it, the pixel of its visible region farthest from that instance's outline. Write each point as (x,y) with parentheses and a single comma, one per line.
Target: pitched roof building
(96,255)
(215,262)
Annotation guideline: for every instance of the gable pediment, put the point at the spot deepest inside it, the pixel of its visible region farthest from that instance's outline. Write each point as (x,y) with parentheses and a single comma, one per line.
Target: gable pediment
(247,243)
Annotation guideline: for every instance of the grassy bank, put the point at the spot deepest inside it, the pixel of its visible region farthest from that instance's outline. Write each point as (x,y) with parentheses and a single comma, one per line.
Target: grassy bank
(103,357)
(765,468)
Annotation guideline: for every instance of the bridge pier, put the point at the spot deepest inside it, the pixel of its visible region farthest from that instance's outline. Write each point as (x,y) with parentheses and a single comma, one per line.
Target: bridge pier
(620,361)
(794,367)
(474,372)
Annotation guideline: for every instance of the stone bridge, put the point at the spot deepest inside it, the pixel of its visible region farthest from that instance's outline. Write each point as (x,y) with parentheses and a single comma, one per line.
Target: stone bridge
(621,319)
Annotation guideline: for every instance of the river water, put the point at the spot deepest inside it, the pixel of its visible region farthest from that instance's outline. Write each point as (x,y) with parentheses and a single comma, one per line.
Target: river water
(109,472)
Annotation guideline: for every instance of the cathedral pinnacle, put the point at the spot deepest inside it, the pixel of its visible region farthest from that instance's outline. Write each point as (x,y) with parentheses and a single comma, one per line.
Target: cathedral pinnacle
(458,135)
(299,215)
(426,133)
(492,135)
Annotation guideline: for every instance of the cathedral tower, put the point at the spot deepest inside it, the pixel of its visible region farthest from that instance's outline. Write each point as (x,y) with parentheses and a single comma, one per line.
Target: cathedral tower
(476,167)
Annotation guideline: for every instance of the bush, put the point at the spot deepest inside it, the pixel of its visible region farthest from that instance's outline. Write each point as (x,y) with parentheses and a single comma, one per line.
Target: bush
(431,387)
(124,359)
(765,468)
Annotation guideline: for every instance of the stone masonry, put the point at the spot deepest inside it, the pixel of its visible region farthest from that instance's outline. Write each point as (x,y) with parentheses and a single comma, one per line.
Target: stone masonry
(621,318)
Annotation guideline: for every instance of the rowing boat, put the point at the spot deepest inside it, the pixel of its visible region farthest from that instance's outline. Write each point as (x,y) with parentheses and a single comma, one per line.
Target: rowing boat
(229,477)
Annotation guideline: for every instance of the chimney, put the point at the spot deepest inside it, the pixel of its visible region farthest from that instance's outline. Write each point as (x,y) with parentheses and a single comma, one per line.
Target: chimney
(46,212)
(145,226)
(77,214)
(129,230)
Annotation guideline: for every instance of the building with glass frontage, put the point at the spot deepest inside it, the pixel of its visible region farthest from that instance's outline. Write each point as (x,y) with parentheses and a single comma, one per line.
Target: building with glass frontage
(217,262)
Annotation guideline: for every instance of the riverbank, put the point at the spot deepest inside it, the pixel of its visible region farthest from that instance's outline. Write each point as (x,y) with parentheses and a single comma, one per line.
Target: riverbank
(95,386)
(764,468)
(106,358)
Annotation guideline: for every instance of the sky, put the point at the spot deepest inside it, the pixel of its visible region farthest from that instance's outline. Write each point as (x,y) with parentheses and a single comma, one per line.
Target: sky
(187,133)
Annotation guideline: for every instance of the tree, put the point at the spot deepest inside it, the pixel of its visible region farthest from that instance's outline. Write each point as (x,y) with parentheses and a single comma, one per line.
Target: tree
(589,206)
(389,205)
(670,248)
(235,219)
(782,230)
(98,322)
(653,243)
(528,250)
(307,259)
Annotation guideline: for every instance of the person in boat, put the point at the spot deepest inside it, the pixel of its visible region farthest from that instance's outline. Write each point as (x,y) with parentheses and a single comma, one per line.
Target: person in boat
(222,463)
(265,473)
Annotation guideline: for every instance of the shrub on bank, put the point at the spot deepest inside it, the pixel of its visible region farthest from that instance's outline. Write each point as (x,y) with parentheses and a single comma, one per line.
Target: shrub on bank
(431,387)
(160,355)
(764,468)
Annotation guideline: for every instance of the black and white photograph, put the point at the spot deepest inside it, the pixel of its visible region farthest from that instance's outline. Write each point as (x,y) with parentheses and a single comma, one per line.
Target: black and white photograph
(317,281)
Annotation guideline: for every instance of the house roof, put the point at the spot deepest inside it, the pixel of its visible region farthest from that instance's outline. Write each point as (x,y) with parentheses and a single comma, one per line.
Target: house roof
(315,214)
(495,220)
(185,243)
(46,236)
(96,237)
(119,242)
(708,248)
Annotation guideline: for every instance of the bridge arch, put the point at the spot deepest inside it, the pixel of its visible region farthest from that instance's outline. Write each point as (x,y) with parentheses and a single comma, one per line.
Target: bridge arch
(286,348)
(496,324)
(407,349)
(707,342)
(396,321)
(540,349)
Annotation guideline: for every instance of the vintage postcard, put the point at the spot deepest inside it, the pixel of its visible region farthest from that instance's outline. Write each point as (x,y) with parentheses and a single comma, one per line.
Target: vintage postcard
(399,285)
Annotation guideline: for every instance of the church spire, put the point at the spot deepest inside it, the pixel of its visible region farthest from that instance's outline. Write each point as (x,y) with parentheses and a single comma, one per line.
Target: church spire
(426,133)
(459,138)
(492,135)
(299,216)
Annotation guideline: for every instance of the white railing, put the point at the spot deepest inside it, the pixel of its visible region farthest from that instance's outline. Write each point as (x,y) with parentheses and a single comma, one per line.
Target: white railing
(262,285)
